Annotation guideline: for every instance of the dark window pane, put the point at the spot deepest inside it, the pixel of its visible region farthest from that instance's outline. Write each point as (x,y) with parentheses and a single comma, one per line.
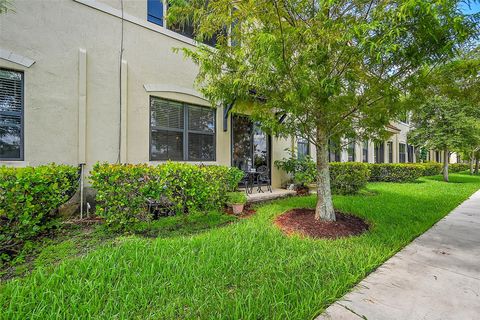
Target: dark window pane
(166,114)
(390,152)
(201,147)
(302,148)
(402,152)
(10,141)
(351,151)
(201,119)
(365,151)
(242,130)
(166,145)
(155,11)
(379,152)
(11,105)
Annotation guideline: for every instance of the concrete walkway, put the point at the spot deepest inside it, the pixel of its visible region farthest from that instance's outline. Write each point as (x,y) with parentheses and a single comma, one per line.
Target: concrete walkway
(436,277)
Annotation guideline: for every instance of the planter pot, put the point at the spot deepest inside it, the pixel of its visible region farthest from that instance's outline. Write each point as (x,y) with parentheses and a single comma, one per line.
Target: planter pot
(237,208)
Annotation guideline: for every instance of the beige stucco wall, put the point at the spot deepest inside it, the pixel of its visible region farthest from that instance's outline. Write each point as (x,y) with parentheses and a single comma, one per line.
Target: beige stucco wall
(52,33)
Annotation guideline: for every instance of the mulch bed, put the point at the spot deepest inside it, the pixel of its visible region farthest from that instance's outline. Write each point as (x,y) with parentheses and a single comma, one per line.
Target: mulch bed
(302,221)
(248,211)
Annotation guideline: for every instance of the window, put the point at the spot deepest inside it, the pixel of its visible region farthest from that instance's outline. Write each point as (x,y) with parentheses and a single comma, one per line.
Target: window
(402,153)
(437,156)
(390,151)
(410,152)
(365,151)
(155,11)
(303,148)
(333,151)
(11,115)
(379,152)
(180,131)
(351,151)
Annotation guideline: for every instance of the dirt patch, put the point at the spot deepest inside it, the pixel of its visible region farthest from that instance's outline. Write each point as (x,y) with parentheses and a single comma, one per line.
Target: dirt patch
(302,221)
(248,211)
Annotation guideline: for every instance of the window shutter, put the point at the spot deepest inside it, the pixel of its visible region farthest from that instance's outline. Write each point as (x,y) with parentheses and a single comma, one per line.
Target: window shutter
(11,109)
(155,11)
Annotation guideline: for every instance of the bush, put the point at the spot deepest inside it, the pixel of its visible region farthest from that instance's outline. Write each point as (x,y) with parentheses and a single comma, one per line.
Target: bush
(303,171)
(348,177)
(123,191)
(458,167)
(29,198)
(396,172)
(431,168)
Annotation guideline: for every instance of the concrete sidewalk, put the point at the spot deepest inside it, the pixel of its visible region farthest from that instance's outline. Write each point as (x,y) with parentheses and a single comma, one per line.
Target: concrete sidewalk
(436,277)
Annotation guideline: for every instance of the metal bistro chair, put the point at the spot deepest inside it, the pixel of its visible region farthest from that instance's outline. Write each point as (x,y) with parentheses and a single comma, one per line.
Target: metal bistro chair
(263,178)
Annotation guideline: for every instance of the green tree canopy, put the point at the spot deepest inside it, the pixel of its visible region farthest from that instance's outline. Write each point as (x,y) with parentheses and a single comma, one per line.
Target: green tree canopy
(332,68)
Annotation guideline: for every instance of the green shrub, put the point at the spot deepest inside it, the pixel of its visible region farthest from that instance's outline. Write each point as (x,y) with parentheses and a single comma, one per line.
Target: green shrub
(431,168)
(396,172)
(348,177)
(303,171)
(124,190)
(29,198)
(458,167)
(236,198)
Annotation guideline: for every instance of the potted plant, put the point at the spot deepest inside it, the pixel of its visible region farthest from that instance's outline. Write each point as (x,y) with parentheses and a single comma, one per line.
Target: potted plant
(237,201)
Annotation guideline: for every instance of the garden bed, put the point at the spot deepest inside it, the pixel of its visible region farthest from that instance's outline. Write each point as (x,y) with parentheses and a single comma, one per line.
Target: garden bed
(303,222)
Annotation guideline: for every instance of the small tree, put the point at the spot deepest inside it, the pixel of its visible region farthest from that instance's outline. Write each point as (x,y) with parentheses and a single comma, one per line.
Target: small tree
(329,69)
(446,125)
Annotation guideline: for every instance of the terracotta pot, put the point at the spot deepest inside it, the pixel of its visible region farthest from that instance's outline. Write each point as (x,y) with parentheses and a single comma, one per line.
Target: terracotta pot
(237,208)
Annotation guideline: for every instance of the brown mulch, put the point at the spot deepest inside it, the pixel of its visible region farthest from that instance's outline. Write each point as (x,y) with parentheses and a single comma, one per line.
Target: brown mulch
(302,221)
(248,211)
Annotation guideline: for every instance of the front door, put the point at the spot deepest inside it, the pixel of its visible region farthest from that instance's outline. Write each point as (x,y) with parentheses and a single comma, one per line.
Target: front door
(250,145)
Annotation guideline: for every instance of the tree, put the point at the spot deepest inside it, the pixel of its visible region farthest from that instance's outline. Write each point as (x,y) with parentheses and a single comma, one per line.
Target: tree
(328,69)
(444,124)
(449,116)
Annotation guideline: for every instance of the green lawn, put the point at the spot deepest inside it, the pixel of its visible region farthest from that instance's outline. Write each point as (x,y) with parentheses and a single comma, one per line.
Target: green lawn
(246,270)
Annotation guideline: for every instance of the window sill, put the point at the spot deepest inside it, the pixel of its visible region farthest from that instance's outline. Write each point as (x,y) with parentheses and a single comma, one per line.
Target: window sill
(13,163)
(207,163)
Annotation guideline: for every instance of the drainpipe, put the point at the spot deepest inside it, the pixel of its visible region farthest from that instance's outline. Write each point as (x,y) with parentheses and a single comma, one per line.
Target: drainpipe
(82,180)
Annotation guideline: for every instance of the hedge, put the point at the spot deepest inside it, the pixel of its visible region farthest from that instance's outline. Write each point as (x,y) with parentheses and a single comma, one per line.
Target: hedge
(431,168)
(348,177)
(123,191)
(458,167)
(29,198)
(396,172)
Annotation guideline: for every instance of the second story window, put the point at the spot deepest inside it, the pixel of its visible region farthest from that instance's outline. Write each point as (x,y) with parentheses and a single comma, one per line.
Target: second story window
(155,11)
(11,115)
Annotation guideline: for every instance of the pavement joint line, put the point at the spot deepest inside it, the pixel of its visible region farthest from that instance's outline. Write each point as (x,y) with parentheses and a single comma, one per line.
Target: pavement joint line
(352,311)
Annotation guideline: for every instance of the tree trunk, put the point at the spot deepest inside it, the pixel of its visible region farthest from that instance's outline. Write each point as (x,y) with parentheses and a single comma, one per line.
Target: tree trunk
(472,159)
(324,209)
(446,156)
(477,164)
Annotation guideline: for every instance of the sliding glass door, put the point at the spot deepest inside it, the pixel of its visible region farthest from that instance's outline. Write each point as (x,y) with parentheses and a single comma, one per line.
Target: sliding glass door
(250,145)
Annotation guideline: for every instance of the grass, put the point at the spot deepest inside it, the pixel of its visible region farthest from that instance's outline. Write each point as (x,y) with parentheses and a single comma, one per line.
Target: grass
(246,270)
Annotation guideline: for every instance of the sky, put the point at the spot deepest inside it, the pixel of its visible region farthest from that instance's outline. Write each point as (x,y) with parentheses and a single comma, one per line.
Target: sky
(474,7)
